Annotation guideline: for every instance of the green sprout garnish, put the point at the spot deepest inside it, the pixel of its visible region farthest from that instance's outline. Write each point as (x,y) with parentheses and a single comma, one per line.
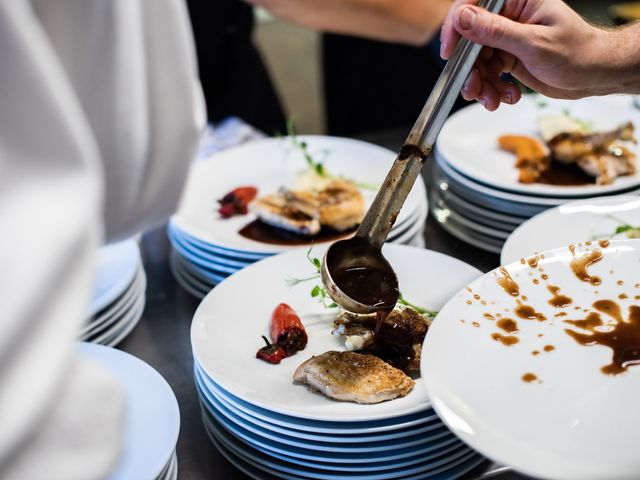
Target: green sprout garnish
(317,165)
(585,124)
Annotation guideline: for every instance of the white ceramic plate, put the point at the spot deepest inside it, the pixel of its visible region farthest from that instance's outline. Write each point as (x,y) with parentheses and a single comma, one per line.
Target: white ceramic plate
(123,316)
(388,426)
(116,309)
(467,235)
(208,390)
(469,141)
(193,285)
(257,465)
(365,466)
(573,222)
(472,210)
(442,208)
(573,421)
(152,420)
(271,447)
(227,326)
(119,336)
(321,445)
(116,266)
(269,164)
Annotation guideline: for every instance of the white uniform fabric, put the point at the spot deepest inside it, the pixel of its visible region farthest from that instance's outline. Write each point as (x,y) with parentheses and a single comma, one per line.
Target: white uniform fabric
(100,114)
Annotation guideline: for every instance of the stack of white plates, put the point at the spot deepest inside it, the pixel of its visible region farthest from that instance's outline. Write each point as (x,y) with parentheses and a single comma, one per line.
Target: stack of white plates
(270,427)
(152,420)
(207,249)
(476,195)
(118,296)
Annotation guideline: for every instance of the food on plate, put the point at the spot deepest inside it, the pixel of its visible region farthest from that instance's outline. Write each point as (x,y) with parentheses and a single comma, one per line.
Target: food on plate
(398,341)
(289,211)
(237,201)
(532,156)
(288,335)
(336,204)
(271,352)
(603,155)
(354,377)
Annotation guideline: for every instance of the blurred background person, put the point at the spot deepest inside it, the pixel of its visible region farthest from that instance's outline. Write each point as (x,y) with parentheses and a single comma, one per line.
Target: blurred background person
(380,58)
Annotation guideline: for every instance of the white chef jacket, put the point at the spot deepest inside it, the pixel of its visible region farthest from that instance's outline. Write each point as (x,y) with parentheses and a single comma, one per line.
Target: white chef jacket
(100,112)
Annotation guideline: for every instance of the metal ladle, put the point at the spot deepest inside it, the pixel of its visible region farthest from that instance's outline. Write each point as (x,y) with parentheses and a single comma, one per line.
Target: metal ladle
(354,272)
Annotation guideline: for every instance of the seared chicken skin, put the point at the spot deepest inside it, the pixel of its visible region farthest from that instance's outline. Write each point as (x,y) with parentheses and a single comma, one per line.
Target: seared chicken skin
(338,205)
(353,377)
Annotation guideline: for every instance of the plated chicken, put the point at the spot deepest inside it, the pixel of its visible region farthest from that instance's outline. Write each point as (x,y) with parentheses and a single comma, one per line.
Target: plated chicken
(603,156)
(354,377)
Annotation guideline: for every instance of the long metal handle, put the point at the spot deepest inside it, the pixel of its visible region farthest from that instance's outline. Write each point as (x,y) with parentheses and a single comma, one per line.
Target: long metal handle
(403,173)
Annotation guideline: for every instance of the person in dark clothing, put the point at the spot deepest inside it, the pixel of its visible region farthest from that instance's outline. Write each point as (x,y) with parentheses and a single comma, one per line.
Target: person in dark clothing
(234,78)
(380,61)
(371,85)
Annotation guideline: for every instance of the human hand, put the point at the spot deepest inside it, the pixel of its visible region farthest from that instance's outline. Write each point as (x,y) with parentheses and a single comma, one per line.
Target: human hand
(542,43)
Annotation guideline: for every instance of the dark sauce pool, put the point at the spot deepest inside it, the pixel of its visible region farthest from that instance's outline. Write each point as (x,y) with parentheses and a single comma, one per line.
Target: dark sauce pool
(565,175)
(261,232)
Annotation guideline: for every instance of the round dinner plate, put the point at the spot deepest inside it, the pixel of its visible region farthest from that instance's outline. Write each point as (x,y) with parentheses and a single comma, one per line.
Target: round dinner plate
(152,416)
(116,266)
(268,165)
(388,426)
(209,391)
(471,210)
(573,222)
(226,330)
(550,407)
(436,462)
(284,440)
(476,239)
(469,141)
(370,465)
(122,304)
(248,462)
(270,447)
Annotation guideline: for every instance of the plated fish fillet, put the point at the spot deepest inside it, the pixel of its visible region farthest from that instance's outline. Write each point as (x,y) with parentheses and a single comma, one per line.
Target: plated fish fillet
(353,377)
(287,211)
(337,205)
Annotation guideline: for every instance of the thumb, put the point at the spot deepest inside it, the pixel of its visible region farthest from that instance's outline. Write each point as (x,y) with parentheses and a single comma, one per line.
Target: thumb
(491,30)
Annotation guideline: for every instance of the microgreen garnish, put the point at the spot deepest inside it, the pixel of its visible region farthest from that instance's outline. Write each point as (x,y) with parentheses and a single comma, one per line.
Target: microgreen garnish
(405,303)
(539,100)
(585,124)
(317,165)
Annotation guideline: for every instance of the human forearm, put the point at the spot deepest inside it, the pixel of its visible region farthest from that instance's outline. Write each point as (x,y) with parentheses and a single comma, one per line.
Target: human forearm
(620,60)
(409,21)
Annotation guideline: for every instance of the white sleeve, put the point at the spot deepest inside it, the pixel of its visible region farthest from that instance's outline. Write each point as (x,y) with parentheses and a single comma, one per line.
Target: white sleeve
(99,116)
(137,81)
